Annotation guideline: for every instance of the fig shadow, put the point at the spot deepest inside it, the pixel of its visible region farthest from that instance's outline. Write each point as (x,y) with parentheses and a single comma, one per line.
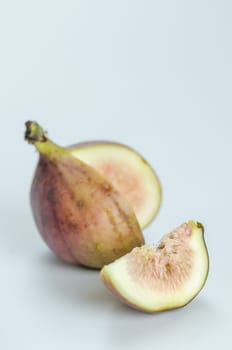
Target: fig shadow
(183,324)
(73,284)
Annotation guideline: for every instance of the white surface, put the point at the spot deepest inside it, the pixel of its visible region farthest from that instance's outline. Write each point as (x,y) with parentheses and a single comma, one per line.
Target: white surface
(154,75)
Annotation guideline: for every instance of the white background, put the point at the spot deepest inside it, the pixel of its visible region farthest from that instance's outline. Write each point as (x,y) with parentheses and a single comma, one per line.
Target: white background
(155,75)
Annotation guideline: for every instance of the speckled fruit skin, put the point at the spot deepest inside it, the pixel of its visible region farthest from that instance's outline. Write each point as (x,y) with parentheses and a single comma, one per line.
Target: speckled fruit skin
(80,216)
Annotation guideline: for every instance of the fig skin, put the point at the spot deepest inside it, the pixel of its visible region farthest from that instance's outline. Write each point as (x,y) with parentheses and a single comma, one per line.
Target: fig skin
(79,214)
(155,279)
(129,173)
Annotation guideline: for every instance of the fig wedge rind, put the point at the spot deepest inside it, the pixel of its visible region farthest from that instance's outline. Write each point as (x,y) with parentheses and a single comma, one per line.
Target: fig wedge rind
(137,285)
(128,171)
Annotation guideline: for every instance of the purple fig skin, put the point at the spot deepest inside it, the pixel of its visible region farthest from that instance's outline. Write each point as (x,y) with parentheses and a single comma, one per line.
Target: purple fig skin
(80,216)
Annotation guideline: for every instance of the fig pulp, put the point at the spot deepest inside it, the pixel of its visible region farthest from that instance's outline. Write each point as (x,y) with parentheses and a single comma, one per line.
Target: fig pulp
(129,173)
(80,215)
(166,277)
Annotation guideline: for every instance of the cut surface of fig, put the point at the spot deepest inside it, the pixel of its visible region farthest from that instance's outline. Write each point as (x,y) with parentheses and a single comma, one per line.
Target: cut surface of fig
(129,173)
(164,277)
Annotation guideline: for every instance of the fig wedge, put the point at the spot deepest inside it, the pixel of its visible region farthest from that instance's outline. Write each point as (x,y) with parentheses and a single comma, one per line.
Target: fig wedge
(162,278)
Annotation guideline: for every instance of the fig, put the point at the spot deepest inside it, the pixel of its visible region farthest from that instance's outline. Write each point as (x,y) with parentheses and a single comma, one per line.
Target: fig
(79,214)
(129,173)
(164,277)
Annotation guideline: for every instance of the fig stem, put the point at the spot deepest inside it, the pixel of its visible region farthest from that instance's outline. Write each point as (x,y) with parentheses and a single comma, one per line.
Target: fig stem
(36,135)
(34,132)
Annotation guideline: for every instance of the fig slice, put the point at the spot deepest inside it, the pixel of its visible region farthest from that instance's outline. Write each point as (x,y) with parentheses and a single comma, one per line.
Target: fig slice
(129,173)
(164,277)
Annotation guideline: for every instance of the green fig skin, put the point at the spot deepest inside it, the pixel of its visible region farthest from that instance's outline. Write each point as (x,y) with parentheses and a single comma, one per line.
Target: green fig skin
(79,214)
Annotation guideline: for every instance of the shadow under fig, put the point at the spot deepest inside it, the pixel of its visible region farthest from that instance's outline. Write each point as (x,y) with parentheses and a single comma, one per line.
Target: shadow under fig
(183,325)
(72,284)
(76,287)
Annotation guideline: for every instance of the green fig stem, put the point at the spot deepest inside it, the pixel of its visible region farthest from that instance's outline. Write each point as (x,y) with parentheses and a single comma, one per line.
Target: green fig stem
(36,135)
(34,132)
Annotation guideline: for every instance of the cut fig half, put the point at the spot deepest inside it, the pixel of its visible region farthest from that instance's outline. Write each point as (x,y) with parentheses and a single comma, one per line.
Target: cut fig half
(164,277)
(128,172)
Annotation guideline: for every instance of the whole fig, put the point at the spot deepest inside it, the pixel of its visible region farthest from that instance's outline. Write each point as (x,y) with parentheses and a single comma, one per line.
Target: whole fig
(79,214)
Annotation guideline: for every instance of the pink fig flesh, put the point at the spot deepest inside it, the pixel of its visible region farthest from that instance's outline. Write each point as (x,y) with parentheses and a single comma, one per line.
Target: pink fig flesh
(129,173)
